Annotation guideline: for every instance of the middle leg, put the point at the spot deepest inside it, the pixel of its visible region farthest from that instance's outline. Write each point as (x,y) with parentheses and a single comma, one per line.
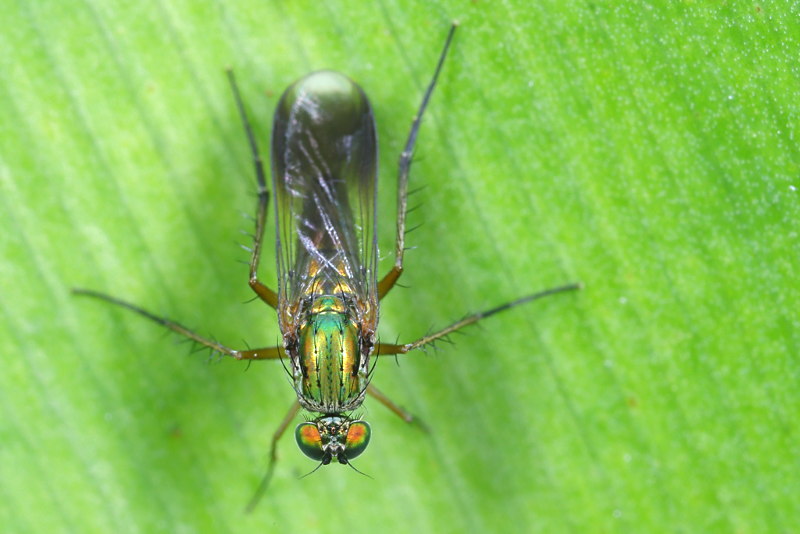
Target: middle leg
(384,349)
(268,353)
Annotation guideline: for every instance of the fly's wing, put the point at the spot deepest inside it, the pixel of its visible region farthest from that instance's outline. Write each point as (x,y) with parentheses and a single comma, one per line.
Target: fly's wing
(324,153)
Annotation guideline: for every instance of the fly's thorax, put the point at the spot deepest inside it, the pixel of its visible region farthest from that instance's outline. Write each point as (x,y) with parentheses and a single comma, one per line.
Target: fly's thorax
(331,372)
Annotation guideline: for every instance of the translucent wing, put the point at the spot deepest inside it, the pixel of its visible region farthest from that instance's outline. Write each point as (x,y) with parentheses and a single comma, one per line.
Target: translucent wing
(324,153)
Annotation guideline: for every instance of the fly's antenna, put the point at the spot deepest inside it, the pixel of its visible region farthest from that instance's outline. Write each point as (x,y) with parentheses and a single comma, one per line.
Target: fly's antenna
(312,471)
(354,469)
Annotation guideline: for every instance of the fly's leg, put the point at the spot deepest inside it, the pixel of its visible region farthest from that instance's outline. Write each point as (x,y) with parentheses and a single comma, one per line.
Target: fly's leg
(383,399)
(385,349)
(273,456)
(268,353)
(388,281)
(264,293)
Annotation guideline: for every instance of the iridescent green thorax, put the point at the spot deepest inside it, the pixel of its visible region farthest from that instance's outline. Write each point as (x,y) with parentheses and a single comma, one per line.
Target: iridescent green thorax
(331,375)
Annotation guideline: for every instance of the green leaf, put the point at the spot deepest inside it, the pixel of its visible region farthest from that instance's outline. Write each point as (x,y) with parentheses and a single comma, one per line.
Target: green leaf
(647,150)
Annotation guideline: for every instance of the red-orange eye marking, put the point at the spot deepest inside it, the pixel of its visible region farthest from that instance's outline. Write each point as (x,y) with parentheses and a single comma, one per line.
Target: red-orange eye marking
(309,440)
(357,439)
(357,434)
(309,435)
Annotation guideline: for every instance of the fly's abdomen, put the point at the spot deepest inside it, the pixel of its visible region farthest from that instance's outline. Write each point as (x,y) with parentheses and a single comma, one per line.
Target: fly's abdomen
(324,162)
(331,379)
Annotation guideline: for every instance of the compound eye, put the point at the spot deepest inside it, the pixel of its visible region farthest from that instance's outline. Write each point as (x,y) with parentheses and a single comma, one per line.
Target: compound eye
(309,440)
(357,439)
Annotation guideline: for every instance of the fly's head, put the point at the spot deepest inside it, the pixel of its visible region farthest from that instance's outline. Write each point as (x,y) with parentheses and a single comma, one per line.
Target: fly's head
(332,437)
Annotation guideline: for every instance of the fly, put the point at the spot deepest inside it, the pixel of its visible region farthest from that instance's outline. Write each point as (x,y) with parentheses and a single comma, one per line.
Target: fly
(324,179)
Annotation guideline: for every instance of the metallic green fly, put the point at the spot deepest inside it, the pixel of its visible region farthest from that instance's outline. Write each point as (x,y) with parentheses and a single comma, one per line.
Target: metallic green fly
(324,176)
